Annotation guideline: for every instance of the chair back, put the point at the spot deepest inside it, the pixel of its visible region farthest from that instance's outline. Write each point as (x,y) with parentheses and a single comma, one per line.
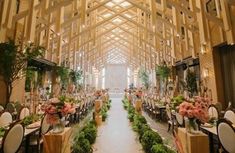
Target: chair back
(45,126)
(10,107)
(226,135)
(23,113)
(18,107)
(168,111)
(179,119)
(5,119)
(230,115)
(213,112)
(1,108)
(13,138)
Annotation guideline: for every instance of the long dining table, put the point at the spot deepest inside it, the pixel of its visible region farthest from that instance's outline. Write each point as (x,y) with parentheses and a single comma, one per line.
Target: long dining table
(211,131)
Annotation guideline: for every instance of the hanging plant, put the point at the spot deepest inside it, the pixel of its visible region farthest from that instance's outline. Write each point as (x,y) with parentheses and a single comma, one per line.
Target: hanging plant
(63,73)
(163,71)
(144,77)
(191,82)
(75,76)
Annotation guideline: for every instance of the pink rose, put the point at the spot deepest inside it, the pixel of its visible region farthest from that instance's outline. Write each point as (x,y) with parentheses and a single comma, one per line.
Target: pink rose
(52,110)
(190,113)
(182,112)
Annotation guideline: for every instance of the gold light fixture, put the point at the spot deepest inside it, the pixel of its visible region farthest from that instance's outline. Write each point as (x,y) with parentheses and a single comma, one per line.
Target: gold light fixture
(203,48)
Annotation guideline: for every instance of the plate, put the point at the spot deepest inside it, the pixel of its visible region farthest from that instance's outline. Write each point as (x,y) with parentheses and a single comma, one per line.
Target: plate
(207,125)
(33,125)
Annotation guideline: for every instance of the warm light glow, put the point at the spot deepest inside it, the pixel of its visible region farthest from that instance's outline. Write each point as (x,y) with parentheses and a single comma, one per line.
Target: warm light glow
(203,49)
(117,1)
(117,20)
(106,15)
(109,4)
(205,72)
(125,4)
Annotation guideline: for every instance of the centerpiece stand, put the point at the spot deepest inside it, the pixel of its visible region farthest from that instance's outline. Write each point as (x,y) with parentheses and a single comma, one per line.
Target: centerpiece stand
(57,143)
(98,117)
(193,143)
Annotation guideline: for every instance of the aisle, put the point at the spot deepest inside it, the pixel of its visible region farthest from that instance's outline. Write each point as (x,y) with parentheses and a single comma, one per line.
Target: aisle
(116,135)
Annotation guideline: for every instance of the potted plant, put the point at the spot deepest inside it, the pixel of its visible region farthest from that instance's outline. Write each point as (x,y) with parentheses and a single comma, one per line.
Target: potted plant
(13,62)
(160,148)
(81,144)
(149,139)
(104,114)
(90,132)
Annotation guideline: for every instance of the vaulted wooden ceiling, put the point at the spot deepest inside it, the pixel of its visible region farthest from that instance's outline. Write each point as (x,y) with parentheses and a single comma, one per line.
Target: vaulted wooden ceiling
(93,33)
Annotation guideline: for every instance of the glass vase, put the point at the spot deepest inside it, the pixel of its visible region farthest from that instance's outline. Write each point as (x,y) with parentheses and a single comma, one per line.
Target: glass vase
(58,127)
(191,125)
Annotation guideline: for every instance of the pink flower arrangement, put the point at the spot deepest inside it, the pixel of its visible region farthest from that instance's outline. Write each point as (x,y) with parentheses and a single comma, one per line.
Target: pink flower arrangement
(139,94)
(56,109)
(197,109)
(98,94)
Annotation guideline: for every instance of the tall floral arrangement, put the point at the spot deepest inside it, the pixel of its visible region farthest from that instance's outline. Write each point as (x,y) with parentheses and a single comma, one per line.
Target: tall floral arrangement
(195,110)
(98,94)
(56,108)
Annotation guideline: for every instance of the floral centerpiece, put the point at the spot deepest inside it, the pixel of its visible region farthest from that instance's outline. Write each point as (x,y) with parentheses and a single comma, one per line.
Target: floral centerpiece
(194,111)
(55,109)
(98,94)
(139,94)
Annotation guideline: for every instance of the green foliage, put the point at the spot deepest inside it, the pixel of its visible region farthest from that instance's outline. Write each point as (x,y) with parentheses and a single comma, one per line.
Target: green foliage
(108,105)
(176,101)
(149,139)
(191,82)
(84,139)
(13,62)
(63,73)
(81,144)
(160,148)
(141,119)
(143,75)
(130,109)
(104,114)
(147,136)
(138,124)
(30,119)
(2,132)
(90,133)
(31,79)
(75,76)
(163,71)
(131,117)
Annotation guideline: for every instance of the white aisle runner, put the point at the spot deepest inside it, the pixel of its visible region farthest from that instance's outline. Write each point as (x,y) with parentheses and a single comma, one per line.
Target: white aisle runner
(116,134)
